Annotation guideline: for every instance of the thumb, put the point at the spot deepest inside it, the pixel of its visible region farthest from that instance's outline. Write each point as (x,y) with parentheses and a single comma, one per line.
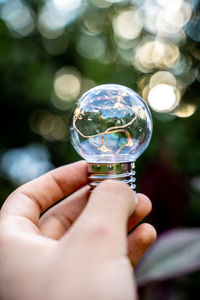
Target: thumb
(113,201)
(104,219)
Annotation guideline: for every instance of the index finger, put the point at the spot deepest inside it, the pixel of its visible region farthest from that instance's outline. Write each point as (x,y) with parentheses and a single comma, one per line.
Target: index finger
(34,197)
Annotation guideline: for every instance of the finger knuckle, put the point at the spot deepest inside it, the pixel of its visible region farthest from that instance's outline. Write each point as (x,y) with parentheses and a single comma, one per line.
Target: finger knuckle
(97,227)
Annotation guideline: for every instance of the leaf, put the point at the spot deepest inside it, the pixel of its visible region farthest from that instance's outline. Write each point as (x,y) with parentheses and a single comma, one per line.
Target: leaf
(175,253)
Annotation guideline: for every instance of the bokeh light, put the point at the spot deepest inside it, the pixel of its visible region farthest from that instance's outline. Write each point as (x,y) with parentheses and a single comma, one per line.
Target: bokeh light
(67,5)
(152,54)
(128,24)
(162,77)
(50,126)
(193,29)
(91,47)
(23,164)
(172,19)
(50,23)
(195,183)
(185,110)
(94,23)
(166,18)
(163,98)
(18,17)
(198,72)
(56,14)
(67,85)
(175,5)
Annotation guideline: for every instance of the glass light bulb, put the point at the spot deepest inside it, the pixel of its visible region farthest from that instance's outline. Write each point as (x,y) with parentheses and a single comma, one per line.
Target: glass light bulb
(111,127)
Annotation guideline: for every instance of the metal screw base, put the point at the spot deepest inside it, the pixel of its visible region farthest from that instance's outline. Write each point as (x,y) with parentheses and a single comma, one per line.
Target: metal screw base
(118,171)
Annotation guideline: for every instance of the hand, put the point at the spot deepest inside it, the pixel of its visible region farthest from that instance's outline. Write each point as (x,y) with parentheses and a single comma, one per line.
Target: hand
(78,249)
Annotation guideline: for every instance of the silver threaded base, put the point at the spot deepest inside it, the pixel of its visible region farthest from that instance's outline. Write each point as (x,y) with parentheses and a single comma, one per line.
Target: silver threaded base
(118,171)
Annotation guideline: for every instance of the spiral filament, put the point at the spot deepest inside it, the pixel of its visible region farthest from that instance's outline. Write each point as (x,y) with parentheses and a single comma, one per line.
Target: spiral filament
(110,130)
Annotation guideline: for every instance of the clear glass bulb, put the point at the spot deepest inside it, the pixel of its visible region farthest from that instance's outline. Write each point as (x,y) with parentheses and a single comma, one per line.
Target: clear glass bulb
(111,127)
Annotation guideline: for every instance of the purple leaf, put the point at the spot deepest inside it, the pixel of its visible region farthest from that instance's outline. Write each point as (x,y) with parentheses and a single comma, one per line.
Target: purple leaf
(175,253)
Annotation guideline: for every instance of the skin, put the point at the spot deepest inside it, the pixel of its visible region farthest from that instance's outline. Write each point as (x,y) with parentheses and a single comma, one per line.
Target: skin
(78,249)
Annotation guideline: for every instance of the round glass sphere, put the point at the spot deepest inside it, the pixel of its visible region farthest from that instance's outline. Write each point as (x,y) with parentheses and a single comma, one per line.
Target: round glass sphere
(110,124)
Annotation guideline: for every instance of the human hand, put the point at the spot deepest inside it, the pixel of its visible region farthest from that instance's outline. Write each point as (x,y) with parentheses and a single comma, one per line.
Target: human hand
(78,249)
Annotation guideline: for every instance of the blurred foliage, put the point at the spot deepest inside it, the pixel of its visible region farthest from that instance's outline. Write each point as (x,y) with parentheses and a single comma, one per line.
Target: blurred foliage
(52,51)
(168,258)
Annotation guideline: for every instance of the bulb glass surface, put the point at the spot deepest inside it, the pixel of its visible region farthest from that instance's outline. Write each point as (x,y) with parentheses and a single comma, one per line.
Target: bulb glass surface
(110,124)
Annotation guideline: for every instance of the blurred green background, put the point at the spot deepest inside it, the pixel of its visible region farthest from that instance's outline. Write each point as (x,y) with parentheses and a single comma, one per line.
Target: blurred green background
(53,51)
